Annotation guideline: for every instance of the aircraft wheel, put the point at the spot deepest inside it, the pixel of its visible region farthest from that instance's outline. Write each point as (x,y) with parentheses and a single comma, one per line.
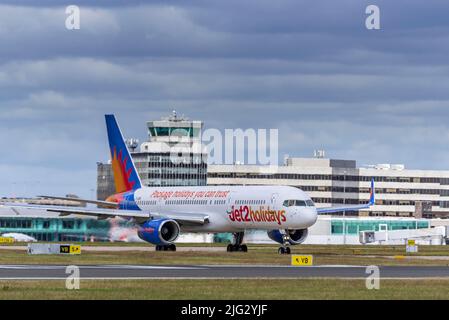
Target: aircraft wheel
(158,248)
(229,248)
(172,247)
(244,248)
(287,250)
(281,250)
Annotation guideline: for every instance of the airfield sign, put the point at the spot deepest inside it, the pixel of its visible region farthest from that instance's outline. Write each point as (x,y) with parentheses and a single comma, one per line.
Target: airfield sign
(411,246)
(302,260)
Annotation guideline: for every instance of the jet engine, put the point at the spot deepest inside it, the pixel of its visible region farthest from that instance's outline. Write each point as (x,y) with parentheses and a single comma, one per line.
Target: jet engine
(159,232)
(296,236)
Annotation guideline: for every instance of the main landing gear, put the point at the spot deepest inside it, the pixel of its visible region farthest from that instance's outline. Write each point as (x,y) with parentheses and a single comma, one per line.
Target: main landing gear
(168,247)
(285,249)
(237,245)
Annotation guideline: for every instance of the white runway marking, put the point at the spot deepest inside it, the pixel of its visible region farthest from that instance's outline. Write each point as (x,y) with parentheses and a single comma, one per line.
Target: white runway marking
(339,266)
(56,267)
(143,267)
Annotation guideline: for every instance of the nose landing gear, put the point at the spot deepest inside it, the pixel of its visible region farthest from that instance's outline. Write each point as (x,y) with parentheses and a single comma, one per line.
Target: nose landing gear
(285,249)
(237,245)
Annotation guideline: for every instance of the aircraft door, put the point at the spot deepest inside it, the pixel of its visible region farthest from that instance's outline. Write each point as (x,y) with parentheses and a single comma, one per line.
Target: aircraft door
(274,200)
(230,199)
(159,204)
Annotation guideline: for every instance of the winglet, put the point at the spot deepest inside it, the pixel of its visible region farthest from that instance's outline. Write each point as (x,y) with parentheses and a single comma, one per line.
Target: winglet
(372,198)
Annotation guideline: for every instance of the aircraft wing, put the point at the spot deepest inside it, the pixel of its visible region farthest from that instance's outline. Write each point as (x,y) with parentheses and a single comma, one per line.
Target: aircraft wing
(342,208)
(352,207)
(108,204)
(139,216)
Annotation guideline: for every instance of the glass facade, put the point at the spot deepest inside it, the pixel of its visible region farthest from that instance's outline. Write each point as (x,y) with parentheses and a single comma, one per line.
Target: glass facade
(354,226)
(57,229)
(168,131)
(331,177)
(161,169)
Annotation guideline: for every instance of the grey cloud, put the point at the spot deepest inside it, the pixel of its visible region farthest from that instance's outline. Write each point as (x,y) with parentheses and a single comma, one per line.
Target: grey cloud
(310,69)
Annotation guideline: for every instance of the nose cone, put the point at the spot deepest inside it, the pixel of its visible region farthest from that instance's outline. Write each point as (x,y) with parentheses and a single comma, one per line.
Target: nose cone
(303,217)
(310,216)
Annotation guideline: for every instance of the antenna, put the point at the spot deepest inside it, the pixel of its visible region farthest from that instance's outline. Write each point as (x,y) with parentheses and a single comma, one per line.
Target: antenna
(132,144)
(319,154)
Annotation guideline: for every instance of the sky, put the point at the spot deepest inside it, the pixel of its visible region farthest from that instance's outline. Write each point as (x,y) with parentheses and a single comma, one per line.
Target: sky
(310,69)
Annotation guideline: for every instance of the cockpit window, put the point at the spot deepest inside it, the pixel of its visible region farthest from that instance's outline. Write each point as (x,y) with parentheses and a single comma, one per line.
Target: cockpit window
(298,203)
(310,203)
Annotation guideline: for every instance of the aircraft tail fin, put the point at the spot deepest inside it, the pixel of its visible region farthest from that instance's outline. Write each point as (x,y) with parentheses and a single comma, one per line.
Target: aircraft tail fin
(126,177)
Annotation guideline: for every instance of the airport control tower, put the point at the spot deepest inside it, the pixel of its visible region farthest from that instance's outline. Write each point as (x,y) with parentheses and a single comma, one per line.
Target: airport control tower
(173,154)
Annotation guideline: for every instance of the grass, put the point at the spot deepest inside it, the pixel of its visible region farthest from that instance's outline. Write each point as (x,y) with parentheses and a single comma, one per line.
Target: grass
(434,250)
(226,289)
(257,254)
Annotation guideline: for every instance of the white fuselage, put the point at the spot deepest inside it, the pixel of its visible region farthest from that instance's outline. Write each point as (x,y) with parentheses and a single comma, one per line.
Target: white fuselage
(232,208)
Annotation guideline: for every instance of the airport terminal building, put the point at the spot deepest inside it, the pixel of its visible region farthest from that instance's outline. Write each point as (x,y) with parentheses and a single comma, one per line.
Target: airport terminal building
(399,192)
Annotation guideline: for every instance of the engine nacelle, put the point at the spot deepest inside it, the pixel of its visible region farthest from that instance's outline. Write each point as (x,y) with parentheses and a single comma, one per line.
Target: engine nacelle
(296,236)
(159,232)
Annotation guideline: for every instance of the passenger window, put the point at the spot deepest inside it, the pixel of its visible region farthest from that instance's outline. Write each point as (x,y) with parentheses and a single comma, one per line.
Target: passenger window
(285,204)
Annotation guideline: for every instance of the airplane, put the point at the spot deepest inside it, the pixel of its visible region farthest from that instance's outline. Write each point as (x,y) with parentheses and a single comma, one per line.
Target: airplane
(19,237)
(162,213)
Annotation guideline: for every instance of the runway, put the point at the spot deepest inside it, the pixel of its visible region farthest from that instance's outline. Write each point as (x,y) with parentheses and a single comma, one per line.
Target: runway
(22,272)
(129,248)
